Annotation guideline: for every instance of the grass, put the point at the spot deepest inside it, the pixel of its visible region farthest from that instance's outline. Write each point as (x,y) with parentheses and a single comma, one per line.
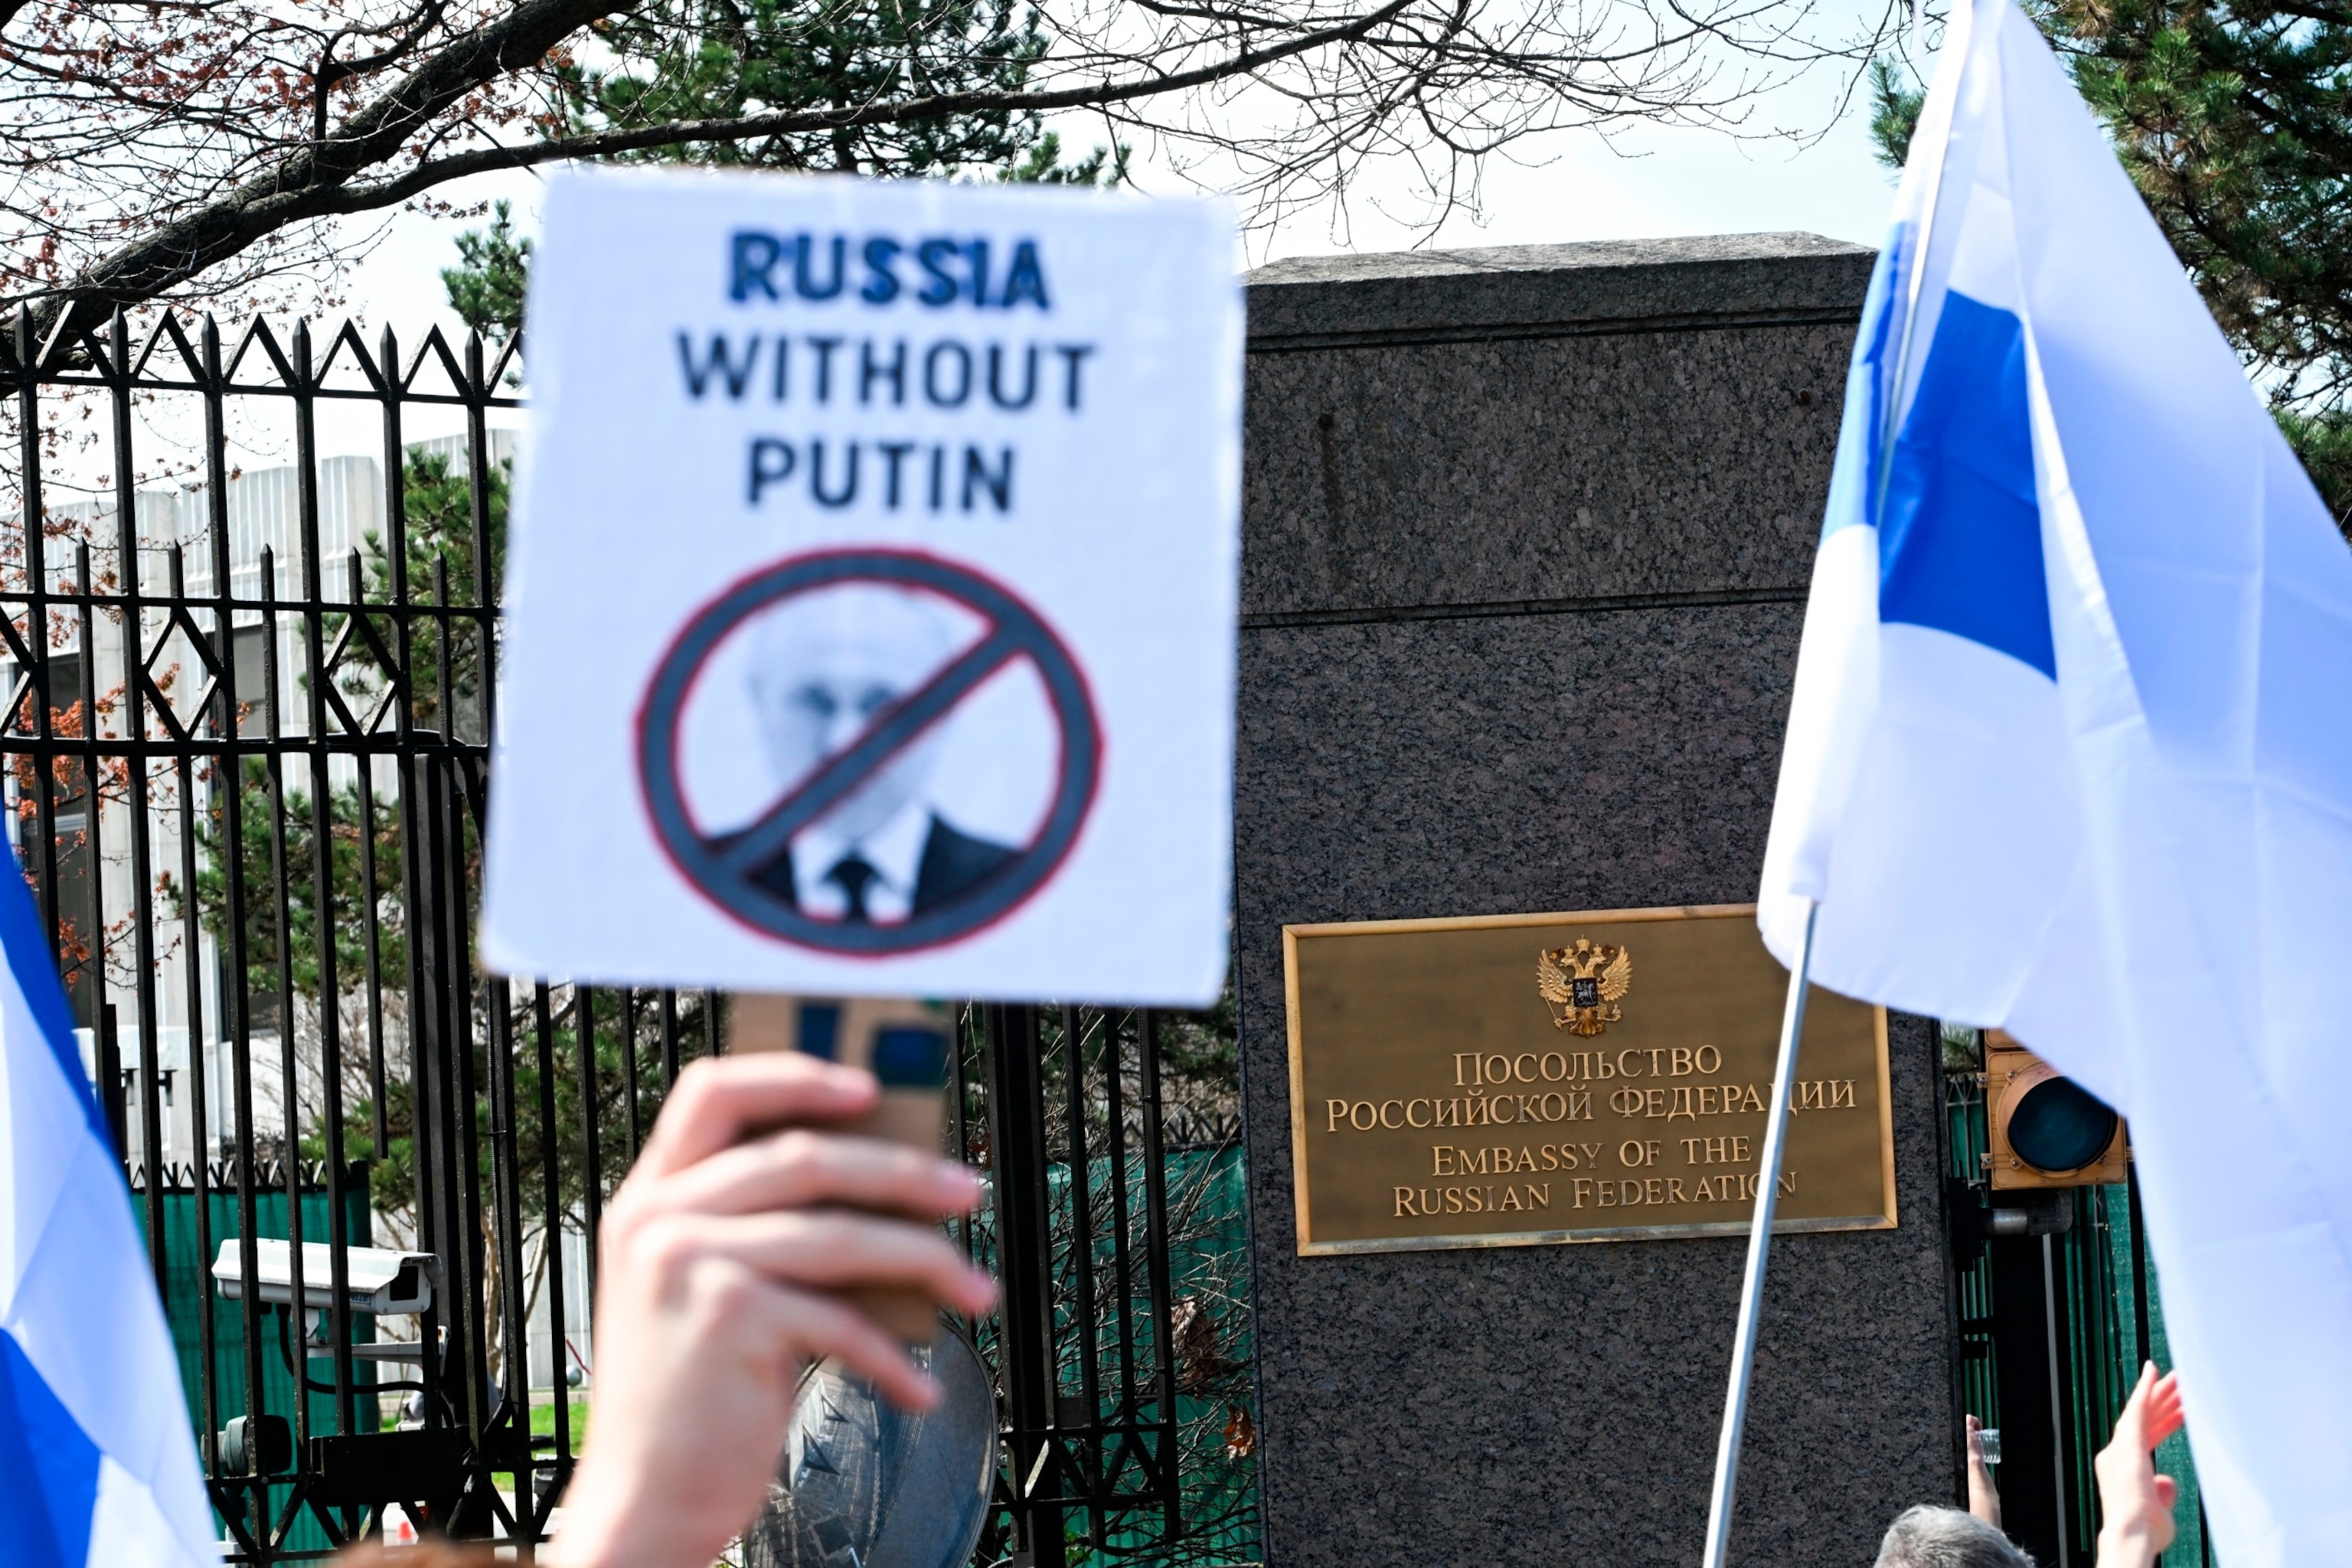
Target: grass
(542,1424)
(542,1417)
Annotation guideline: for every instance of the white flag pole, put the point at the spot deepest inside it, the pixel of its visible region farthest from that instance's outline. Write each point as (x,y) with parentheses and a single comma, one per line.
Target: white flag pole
(1793,1015)
(1760,1243)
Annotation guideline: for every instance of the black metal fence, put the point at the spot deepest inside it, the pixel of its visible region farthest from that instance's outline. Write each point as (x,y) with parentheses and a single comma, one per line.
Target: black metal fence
(1123,1345)
(2052,1328)
(247,760)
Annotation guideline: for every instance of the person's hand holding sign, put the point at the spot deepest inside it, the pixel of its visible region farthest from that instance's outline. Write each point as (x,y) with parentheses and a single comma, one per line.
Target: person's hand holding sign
(724,1257)
(921,686)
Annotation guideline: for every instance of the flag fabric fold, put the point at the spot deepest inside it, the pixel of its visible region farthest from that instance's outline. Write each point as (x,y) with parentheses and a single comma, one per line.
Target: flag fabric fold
(2070,751)
(98,1463)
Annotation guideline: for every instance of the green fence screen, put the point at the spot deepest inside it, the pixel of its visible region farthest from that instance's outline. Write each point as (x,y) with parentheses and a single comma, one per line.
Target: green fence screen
(187,1279)
(2095,1289)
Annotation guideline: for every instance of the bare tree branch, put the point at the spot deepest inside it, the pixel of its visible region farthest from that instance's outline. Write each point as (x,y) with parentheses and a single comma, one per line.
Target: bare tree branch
(439,171)
(150,151)
(172,255)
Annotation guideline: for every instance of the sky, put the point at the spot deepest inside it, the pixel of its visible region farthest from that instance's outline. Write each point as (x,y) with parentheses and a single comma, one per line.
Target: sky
(1647,181)
(1650,181)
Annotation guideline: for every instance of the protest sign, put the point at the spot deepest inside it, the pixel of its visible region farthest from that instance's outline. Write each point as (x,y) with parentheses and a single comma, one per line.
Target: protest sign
(871,595)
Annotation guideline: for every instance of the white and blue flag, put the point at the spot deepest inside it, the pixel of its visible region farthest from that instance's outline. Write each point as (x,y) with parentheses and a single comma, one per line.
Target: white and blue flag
(2071,746)
(98,1464)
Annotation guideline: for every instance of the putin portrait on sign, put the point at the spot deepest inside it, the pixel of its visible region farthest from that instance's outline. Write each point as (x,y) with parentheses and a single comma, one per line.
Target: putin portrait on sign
(824,670)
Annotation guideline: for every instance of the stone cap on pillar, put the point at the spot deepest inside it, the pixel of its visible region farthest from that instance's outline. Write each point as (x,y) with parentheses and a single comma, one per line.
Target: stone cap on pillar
(1511,291)
(1539,428)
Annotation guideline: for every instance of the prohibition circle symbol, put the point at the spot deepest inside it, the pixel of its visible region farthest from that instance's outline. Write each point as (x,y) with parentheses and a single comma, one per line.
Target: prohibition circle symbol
(719,867)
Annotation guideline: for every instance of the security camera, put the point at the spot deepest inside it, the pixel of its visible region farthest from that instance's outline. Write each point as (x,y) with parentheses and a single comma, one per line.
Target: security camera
(378,1281)
(262,1448)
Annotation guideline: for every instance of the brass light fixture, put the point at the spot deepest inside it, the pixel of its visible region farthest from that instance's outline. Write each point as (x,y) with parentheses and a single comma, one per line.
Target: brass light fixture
(2047,1129)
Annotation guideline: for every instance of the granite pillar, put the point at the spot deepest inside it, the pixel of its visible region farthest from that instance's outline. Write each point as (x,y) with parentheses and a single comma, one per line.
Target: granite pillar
(1526,539)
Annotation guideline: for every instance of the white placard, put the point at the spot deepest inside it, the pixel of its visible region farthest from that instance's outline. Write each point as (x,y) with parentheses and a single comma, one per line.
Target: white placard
(871,594)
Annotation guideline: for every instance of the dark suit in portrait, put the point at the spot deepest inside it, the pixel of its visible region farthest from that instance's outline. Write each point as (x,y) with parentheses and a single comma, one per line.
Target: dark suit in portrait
(954,865)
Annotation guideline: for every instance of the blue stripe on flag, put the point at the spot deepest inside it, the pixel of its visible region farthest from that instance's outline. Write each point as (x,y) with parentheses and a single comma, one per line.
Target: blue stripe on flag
(1853,483)
(1890,284)
(48,1469)
(28,954)
(1960,545)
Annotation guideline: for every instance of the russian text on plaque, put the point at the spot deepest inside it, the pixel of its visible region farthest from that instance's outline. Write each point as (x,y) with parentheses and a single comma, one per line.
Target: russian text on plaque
(1512,1079)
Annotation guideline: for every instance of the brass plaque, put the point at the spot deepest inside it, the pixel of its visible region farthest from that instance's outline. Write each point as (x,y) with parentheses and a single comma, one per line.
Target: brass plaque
(1503,1080)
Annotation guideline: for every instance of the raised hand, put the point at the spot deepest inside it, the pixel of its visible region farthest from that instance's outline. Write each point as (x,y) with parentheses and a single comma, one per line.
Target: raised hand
(2136,1501)
(723,1259)
(1984,1497)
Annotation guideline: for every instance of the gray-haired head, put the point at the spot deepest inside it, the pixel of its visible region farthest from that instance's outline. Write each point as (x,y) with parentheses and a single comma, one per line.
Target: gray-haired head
(1925,1537)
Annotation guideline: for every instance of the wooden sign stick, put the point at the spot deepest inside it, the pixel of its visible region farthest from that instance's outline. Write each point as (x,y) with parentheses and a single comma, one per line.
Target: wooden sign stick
(905,1045)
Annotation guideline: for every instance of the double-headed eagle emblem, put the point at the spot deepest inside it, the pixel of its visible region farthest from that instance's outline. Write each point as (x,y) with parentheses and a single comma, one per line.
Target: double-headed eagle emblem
(1582,984)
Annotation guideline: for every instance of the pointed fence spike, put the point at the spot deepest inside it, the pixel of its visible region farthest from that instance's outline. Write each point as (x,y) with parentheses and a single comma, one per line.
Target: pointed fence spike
(59,331)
